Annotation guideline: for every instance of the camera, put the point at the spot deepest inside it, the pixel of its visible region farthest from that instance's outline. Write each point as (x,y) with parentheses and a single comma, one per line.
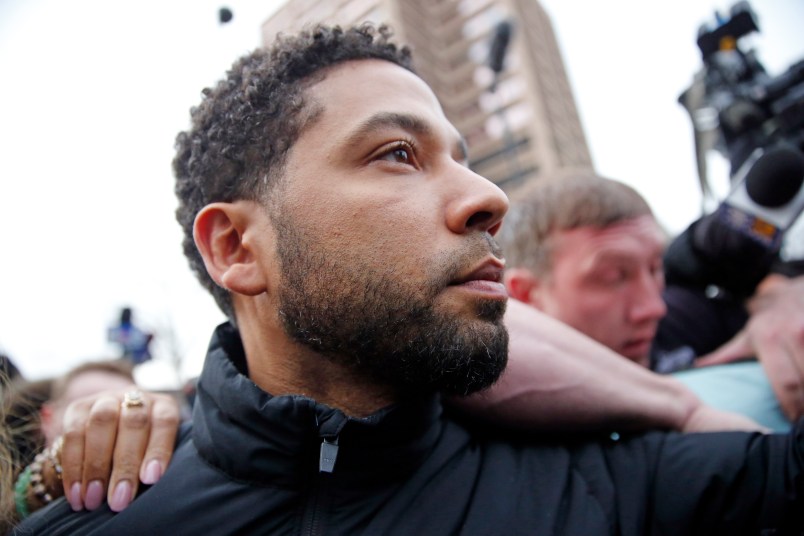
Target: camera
(756,121)
(736,107)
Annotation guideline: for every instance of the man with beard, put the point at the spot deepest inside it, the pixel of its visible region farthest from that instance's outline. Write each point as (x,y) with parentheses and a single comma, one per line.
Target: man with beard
(352,249)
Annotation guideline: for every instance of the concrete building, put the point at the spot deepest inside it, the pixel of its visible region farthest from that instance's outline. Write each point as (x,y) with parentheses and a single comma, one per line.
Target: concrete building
(518,123)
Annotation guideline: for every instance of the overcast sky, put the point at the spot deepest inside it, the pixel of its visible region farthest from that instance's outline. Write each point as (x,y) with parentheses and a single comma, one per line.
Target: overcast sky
(93,94)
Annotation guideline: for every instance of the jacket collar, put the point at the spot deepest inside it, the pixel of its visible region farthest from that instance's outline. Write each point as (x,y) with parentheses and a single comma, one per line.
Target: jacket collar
(256,437)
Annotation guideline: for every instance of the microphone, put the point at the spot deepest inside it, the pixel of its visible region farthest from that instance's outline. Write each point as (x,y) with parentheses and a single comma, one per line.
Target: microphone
(767,197)
(734,247)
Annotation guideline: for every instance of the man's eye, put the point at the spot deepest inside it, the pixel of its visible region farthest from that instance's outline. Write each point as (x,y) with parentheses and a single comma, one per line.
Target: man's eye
(658,271)
(401,153)
(612,276)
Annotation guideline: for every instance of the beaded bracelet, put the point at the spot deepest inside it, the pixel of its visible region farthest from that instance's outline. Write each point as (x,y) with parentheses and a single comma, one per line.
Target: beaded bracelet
(32,479)
(21,493)
(38,481)
(55,456)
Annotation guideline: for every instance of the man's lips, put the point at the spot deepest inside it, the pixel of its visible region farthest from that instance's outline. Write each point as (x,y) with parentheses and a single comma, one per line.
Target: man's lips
(641,343)
(631,343)
(487,278)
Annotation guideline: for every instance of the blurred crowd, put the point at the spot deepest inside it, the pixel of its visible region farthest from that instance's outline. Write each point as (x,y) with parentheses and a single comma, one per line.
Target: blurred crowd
(34,412)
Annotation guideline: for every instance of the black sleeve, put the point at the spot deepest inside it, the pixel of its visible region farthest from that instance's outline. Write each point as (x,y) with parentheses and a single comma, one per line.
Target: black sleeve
(730,483)
(788,268)
(709,253)
(697,321)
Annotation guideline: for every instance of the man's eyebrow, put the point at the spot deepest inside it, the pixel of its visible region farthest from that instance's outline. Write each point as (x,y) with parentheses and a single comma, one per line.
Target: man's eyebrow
(411,123)
(608,257)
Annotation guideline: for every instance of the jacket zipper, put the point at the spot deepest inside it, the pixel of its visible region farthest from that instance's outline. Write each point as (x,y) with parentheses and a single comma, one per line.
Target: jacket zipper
(328,455)
(318,503)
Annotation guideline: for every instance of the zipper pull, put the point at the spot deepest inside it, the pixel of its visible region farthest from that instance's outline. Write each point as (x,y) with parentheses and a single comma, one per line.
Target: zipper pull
(329,453)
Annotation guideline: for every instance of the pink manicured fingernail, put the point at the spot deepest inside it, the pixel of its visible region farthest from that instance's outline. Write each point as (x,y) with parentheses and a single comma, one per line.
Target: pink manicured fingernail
(121,496)
(153,472)
(75,497)
(94,496)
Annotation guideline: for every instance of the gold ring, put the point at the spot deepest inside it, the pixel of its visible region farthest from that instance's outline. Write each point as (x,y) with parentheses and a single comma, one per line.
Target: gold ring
(132,399)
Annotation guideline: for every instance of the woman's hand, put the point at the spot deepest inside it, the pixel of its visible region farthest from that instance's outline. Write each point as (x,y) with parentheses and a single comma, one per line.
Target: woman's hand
(114,441)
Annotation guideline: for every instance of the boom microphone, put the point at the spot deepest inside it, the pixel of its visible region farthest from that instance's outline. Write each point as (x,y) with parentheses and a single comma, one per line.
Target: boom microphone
(734,247)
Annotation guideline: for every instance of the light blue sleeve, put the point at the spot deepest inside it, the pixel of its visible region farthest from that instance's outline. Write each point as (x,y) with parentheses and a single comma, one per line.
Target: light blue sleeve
(739,387)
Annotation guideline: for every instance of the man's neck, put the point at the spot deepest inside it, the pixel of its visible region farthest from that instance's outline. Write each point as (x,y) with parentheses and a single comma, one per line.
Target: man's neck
(281,366)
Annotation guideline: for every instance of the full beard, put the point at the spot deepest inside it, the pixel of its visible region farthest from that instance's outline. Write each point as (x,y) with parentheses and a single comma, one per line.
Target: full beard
(369,320)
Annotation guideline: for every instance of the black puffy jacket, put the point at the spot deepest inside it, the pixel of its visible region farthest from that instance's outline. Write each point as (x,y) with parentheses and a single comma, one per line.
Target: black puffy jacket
(256,464)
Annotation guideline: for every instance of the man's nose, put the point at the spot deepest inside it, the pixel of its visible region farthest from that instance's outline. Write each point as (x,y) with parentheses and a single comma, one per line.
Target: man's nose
(475,203)
(648,303)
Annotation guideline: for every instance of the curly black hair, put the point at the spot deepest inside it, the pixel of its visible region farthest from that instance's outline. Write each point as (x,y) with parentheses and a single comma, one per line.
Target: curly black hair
(243,128)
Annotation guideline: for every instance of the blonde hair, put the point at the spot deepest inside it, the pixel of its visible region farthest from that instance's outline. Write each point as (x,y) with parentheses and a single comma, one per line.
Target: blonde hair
(566,200)
(8,465)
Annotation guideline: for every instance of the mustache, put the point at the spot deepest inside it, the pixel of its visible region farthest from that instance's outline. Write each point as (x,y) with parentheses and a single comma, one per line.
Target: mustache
(494,248)
(451,265)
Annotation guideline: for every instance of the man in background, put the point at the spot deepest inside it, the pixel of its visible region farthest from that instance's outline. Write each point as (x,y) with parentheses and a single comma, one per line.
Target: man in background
(588,251)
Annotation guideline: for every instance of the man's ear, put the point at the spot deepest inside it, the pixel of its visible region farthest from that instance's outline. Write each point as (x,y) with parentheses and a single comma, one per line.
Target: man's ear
(219,232)
(522,285)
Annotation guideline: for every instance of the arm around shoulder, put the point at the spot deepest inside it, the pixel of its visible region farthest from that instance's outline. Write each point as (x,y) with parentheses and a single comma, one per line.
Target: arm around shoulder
(559,379)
